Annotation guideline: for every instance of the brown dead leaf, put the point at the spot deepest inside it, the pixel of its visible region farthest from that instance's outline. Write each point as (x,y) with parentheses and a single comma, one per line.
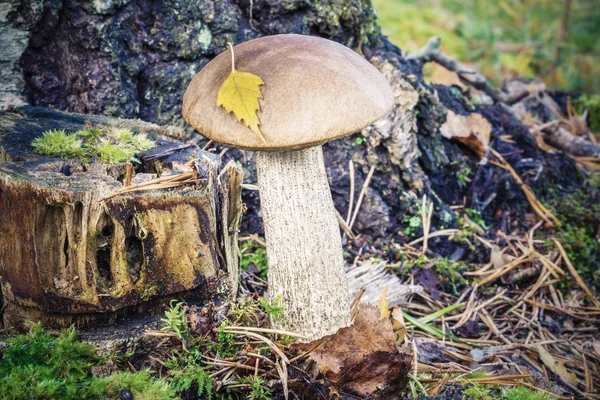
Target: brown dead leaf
(556,366)
(472,130)
(384,306)
(443,76)
(363,358)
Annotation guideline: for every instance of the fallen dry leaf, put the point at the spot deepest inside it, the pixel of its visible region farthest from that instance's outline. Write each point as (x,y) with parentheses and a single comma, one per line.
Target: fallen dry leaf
(384,306)
(472,130)
(556,366)
(240,93)
(363,358)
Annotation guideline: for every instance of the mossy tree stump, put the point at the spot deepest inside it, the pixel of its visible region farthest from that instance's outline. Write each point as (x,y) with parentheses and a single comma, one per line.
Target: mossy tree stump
(69,254)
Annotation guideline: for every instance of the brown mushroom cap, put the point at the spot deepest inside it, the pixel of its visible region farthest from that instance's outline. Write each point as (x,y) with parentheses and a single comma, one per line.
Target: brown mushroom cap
(315,90)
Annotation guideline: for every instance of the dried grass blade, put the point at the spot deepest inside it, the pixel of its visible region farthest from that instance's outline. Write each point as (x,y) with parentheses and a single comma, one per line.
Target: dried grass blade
(575,273)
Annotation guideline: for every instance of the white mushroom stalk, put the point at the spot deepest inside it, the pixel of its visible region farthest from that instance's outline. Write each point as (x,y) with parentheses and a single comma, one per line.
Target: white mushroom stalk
(304,248)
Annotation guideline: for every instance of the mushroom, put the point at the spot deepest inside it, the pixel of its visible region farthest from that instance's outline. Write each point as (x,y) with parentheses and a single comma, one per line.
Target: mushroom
(315,90)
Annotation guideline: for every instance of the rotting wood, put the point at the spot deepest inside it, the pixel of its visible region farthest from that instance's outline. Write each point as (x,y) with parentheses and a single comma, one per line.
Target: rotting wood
(71,253)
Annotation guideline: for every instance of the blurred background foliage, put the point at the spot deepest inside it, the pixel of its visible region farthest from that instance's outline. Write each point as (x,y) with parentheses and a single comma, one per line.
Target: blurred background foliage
(555,40)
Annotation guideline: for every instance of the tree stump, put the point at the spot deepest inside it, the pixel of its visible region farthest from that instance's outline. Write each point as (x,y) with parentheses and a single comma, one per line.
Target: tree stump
(70,253)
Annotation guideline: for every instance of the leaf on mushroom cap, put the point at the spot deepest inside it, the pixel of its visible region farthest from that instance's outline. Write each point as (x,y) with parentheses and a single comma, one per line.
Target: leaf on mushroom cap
(240,93)
(317,90)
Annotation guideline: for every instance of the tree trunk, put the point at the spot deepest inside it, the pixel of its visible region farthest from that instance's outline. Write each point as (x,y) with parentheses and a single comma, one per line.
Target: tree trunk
(72,253)
(304,250)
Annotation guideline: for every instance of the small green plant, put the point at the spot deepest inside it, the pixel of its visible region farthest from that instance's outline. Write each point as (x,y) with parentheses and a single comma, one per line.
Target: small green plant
(175,321)
(477,392)
(273,309)
(244,313)
(108,152)
(450,270)
(476,217)
(258,388)
(224,345)
(254,253)
(360,140)
(463,174)
(414,219)
(582,249)
(184,377)
(90,134)
(59,143)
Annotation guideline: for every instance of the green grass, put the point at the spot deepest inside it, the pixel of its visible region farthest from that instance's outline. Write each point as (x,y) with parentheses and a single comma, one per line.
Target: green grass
(504,38)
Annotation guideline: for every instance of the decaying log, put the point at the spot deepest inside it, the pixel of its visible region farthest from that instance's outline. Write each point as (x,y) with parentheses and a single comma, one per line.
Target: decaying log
(70,251)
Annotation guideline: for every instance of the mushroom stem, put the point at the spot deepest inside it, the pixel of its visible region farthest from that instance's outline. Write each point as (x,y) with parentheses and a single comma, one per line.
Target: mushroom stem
(304,249)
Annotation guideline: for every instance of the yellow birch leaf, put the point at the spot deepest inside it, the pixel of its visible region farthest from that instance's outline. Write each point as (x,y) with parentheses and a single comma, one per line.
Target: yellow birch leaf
(240,93)
(384,307)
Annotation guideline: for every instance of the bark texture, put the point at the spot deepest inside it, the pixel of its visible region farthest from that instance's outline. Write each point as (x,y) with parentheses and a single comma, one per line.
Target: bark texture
(304,249)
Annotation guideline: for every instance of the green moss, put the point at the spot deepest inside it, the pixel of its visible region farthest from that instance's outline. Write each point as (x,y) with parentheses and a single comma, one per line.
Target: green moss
(41,366)
(141,384)
(477,392)
(113,146)
(463,173)
(579,213)
(583,250)
(522,393)
(110,153)
(59,143)
(476,217)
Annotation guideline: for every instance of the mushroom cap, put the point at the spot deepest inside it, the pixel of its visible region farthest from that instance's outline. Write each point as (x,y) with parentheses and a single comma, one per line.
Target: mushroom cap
(315,90)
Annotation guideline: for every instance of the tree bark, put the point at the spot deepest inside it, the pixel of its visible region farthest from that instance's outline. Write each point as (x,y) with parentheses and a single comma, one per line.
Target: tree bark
(304,250)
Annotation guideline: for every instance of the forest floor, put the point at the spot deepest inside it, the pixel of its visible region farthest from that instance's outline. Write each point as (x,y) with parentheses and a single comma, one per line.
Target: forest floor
(513,319)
